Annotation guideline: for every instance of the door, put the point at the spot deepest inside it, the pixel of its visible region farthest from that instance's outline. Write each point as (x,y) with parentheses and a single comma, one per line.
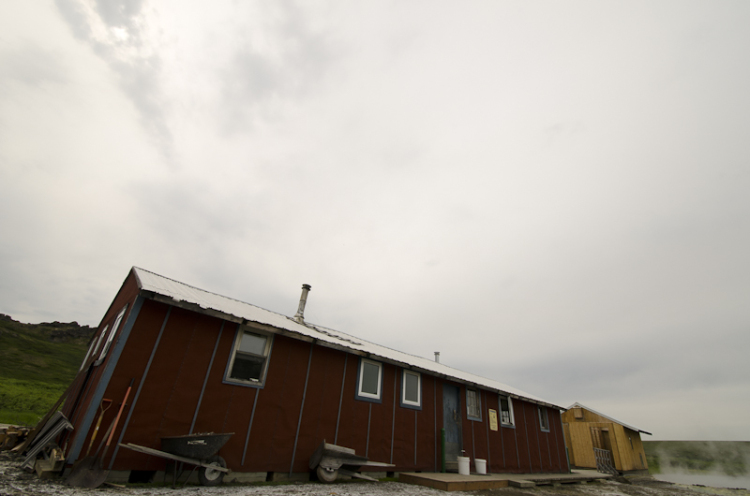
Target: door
(452,425)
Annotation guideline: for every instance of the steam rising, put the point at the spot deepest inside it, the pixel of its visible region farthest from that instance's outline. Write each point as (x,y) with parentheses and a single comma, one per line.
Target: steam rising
(710,463)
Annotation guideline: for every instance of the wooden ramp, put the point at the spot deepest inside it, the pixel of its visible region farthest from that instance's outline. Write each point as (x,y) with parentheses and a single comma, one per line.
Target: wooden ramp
(456,482)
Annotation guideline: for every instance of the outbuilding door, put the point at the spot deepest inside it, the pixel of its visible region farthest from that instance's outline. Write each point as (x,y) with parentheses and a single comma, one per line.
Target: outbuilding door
(452,425)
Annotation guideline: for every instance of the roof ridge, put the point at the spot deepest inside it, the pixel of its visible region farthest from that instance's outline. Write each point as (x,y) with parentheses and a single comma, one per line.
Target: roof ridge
(211,292)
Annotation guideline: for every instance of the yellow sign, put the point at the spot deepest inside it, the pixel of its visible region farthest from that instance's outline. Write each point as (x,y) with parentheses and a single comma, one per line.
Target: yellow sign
(493,420)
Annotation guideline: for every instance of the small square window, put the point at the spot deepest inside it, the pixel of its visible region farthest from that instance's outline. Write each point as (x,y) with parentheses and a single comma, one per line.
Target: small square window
(411,389)
(370,380)
(543,419)
(506,410)
(473,404)
(249,360)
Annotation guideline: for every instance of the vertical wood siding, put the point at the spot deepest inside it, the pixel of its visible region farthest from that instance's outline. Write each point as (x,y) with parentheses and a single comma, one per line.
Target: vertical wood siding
(268,422)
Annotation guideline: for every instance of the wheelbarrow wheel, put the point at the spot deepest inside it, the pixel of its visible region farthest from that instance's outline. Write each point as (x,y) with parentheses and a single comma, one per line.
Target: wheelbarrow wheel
(327,474)
(209,476)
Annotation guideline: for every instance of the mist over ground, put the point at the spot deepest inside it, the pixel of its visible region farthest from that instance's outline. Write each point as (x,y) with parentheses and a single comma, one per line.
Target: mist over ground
(711,463)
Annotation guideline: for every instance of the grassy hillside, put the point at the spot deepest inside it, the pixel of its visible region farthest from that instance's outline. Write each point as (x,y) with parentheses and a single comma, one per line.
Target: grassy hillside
(37,363)
(727,457)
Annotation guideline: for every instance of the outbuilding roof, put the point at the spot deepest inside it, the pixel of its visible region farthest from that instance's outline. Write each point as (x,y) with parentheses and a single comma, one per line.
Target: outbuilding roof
(578,405)
(183,295)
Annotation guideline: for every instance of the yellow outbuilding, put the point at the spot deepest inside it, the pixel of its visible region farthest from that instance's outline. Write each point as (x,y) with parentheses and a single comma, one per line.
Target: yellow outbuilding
(597,441)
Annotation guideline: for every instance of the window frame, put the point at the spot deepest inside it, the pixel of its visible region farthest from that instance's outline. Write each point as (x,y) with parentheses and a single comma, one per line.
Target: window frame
(111,337)
(511,418)
(239,333)
(543,418)
(408,403)
(469,414)
(94,346)
(363,395)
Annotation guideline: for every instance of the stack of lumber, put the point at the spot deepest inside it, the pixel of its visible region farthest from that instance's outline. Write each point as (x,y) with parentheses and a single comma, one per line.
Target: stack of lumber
(11,436)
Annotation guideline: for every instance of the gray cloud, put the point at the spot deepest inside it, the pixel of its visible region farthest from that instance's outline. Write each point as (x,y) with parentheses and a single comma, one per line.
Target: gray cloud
(31,64)
(119,12)
(139,75)
(255,77)
(72,12)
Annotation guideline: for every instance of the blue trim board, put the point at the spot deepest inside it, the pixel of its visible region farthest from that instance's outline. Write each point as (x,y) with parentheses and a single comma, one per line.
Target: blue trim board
(101,386)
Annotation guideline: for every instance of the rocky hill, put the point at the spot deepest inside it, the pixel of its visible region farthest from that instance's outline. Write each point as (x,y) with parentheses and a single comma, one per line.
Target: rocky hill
(37,362)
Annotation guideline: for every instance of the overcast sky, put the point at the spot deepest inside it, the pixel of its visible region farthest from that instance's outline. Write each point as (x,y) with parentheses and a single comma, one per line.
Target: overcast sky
(555,195)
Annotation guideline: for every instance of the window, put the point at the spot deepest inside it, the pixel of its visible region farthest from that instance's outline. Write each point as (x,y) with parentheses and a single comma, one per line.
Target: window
(506,410)
(369,380)
(111,337)
(249,360)
(411,389)
(543,419)
(473,404)
(93,347)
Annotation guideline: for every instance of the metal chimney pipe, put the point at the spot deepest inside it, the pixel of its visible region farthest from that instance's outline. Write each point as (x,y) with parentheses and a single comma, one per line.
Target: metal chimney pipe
(437,356)
(300,316)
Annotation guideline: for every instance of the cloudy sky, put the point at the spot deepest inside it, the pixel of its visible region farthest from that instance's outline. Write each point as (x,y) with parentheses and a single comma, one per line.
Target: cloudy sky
(552,194)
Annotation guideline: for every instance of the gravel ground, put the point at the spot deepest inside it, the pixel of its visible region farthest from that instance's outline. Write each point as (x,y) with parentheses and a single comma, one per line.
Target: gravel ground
(15,482)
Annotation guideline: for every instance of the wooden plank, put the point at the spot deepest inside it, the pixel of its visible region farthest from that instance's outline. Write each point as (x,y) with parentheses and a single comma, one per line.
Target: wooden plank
(170,456)
(356,475)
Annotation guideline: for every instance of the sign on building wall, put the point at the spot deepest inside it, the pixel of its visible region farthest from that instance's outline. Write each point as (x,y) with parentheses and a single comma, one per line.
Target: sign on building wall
(493,420)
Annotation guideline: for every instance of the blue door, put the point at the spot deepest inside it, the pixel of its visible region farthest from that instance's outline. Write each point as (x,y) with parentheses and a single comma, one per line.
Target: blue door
(452,425)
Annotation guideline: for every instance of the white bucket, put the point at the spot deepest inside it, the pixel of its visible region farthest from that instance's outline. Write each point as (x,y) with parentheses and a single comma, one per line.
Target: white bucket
(463,465)
(481,466)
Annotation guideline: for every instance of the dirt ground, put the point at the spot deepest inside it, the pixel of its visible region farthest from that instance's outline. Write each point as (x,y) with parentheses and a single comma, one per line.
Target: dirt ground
(16,482)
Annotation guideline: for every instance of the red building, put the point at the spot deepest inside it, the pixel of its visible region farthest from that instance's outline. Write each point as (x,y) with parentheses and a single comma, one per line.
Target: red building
(200,362)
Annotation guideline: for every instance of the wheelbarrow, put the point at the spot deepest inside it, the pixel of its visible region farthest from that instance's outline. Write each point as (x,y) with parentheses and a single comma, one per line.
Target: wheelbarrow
(194,449)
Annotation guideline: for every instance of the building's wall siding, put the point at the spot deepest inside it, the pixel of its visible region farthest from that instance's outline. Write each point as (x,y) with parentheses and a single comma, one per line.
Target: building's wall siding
(168,399)
(638,453)
(629,452)
(581,447)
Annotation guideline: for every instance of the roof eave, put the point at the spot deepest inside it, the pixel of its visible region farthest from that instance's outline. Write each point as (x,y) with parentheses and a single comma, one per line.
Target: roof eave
(579,405)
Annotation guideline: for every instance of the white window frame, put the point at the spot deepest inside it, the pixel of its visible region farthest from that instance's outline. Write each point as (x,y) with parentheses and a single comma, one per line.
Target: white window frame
(408,403)
(511,419)
(543,418)
(93,346)
(111,336)
(363,395)
(469,414)
(260,382)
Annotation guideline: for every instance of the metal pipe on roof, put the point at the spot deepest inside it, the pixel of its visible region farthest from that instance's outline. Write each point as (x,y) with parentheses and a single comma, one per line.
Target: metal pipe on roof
(300,316)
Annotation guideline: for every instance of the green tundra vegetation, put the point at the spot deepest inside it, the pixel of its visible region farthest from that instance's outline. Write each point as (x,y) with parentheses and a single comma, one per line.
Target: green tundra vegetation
(727,457)
(37,363)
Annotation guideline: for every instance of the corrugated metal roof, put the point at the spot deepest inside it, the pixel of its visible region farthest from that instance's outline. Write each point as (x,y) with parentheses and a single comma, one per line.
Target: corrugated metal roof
(578,405)
(183,293)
